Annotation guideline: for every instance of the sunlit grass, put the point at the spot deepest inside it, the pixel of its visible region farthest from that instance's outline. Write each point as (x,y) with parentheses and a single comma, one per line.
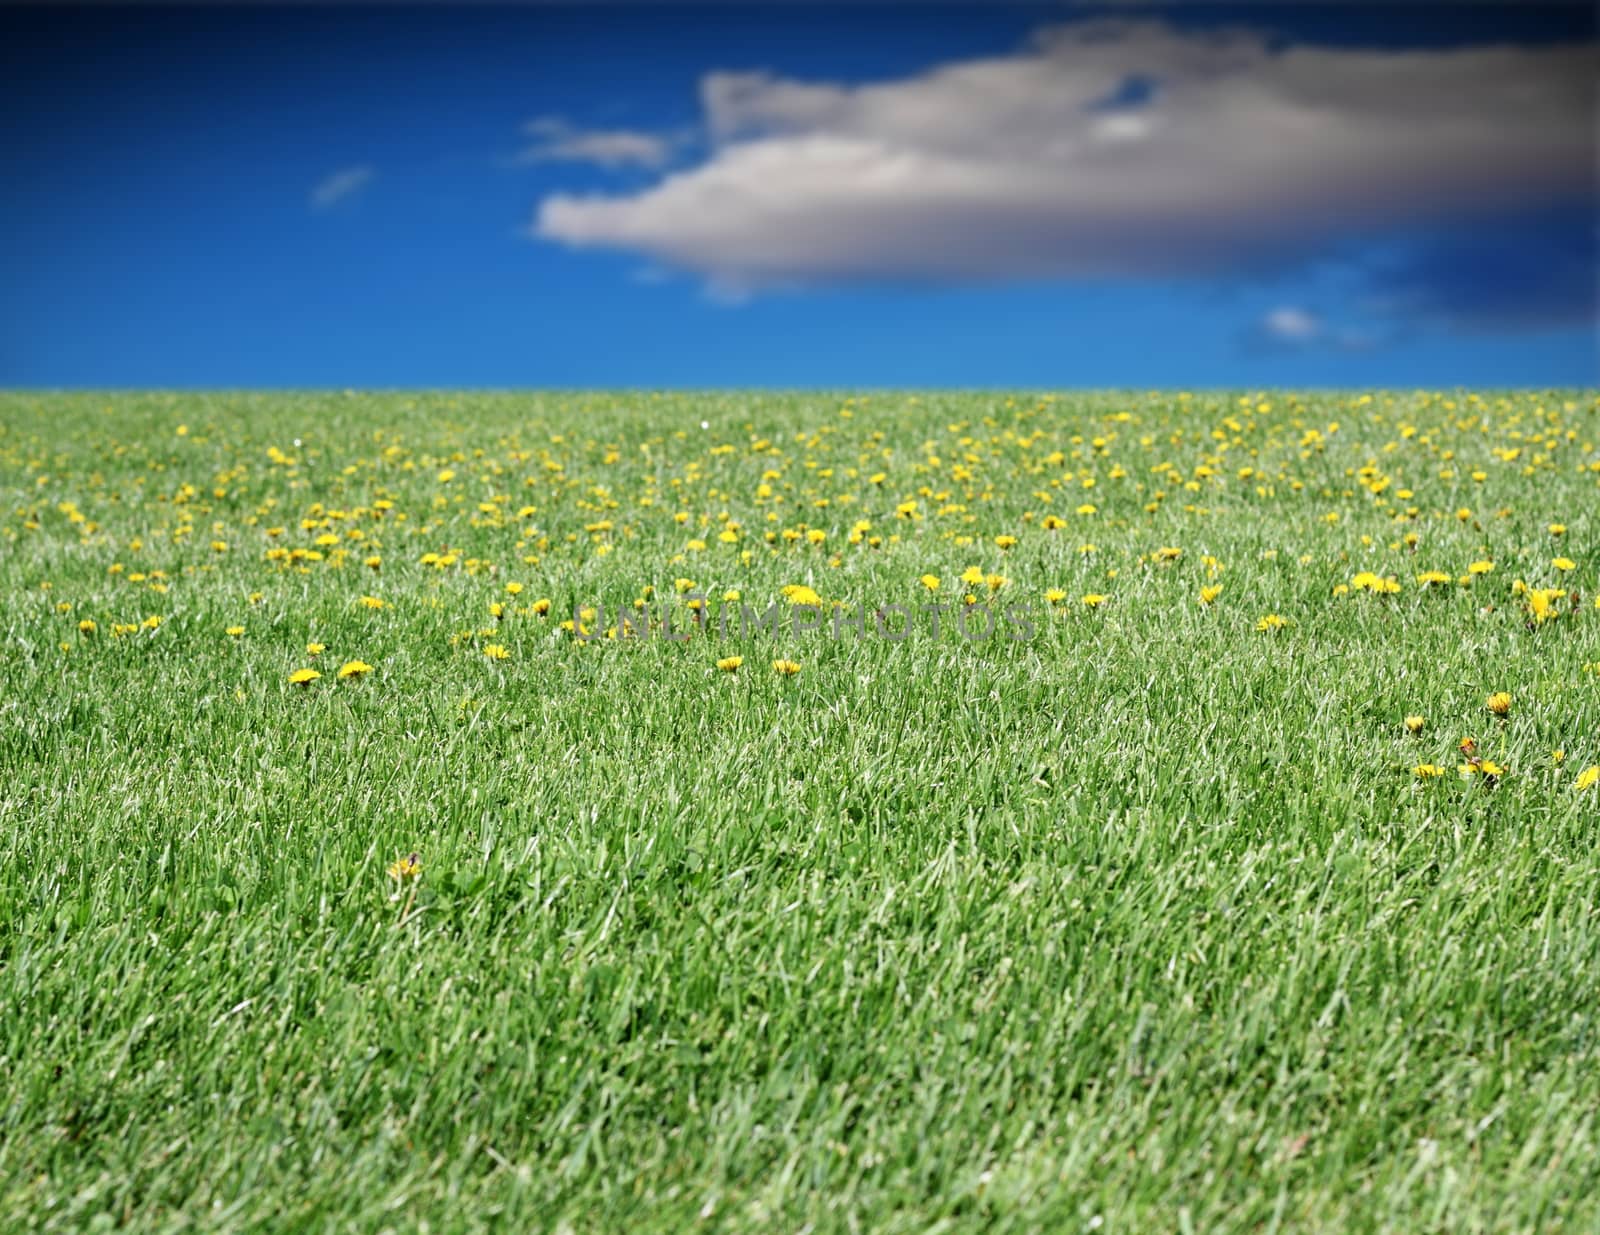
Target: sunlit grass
(345,889)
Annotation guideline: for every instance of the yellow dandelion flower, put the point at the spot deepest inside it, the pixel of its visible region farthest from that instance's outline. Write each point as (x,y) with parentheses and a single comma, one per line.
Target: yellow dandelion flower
(405,869)
(1366,581)
(1094,600)
(1542,604)
(729,664)
(1209,594)
(1499,703)
(316,649)
(1427,771)
(1563,564)
(372,602)
(304,677)
(931,582)
(786,668)
(234,631)
(495,651)
(1414,724)
(1586,779)
(1271,622)
(87,627)
(354,669)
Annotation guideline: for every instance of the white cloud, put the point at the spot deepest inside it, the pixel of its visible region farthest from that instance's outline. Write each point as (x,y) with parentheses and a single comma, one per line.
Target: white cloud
(557,141)
(1235,153)
(342,184)
(1291,324)
(1289,328)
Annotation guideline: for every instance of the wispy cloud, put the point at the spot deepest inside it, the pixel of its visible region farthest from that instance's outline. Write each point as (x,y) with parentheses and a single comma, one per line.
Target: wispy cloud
(342,185)
(1291,324)
(1103,149)
(1294,328)
(555,140)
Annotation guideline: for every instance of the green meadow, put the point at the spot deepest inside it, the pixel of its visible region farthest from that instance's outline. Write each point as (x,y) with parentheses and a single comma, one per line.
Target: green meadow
(359,873)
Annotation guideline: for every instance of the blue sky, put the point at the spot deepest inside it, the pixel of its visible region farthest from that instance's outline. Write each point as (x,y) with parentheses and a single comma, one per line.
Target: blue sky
(1060,196)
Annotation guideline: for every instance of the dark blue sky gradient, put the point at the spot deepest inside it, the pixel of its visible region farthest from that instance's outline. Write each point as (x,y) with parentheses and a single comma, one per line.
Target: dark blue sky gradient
(156,227)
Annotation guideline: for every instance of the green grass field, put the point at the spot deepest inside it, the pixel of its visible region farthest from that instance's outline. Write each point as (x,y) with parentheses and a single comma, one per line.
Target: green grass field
(1152,920)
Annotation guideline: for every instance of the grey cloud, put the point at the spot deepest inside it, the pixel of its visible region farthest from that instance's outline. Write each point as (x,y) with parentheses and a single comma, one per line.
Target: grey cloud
(1045,164)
